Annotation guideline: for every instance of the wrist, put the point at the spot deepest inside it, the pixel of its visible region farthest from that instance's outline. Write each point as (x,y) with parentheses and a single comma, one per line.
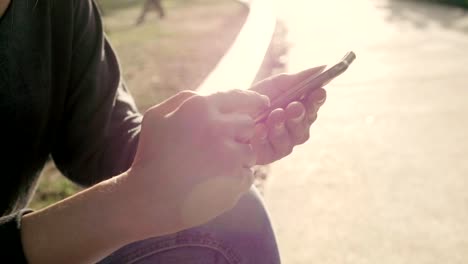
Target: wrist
(111,198)
(142,208)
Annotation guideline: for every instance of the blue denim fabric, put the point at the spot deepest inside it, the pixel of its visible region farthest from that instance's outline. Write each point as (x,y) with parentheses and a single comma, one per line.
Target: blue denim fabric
(239,236)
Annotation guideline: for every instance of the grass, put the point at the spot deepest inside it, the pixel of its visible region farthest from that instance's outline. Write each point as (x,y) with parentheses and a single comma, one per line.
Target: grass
(158,58)
(161,57)
(462,3)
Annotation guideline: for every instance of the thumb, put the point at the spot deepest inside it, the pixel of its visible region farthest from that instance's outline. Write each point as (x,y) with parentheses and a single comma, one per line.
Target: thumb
(275,85)
(240,101)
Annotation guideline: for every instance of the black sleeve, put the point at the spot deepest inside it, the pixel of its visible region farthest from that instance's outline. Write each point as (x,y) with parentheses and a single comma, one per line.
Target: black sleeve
(99,135)
(10,227)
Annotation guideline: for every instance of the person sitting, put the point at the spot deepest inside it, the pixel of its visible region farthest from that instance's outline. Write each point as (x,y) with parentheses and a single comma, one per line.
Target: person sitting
(170,186)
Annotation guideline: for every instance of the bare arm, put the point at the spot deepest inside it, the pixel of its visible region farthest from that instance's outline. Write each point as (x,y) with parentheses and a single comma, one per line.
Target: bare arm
(159,194)
(81,229)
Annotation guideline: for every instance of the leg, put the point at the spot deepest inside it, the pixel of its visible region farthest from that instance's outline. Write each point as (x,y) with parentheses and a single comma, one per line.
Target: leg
(241,235)
(144,10)
(159,8)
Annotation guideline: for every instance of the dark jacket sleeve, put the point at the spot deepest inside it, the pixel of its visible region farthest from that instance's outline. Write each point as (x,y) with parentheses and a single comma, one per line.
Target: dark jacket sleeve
(101,123)
(10,227)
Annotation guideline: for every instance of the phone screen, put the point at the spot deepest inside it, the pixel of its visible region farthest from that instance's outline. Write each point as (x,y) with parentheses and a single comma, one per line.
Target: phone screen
(299,91)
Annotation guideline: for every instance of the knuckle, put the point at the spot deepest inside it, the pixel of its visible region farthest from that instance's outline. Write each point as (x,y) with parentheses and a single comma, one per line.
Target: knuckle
(186,93)
(151,115)
(281,77)
(241,92)
(236,91)
(219,97)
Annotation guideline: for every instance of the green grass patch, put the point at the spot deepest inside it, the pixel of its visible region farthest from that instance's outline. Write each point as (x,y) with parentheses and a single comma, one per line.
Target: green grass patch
(462,3)
(52,187)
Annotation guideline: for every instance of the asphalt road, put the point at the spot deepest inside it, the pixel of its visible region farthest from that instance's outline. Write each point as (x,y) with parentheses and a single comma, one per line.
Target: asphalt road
(384,178)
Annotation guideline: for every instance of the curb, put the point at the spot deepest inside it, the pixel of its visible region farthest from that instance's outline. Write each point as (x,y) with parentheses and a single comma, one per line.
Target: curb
(239,66)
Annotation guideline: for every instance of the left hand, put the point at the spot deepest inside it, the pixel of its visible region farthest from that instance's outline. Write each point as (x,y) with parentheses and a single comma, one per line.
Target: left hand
(285,128)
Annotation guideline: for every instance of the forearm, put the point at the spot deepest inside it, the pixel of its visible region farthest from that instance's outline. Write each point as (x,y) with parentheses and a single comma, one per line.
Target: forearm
(81,229)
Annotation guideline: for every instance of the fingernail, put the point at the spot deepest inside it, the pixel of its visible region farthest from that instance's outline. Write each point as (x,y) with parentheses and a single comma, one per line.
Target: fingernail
(321,100)
(299,118)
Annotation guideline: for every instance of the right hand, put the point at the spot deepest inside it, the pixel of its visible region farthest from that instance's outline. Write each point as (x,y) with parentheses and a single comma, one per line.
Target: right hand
(193,161)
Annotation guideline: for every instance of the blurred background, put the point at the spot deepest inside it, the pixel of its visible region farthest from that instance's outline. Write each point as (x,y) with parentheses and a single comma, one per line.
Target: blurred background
(384,177)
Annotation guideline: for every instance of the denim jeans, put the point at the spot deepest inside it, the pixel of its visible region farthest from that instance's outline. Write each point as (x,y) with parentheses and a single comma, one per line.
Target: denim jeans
(241,235)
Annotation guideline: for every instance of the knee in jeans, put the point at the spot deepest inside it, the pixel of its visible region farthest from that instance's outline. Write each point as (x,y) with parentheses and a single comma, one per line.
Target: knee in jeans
(241,235)
(248,216)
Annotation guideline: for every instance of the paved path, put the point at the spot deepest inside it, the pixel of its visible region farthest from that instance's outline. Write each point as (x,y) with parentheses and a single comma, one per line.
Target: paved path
(384,178)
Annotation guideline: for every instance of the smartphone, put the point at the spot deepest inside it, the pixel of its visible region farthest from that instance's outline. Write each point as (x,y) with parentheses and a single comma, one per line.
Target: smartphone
(299,91)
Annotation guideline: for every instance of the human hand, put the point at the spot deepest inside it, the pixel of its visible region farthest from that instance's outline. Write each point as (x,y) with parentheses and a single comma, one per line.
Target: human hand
(193,161)
(285,128)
